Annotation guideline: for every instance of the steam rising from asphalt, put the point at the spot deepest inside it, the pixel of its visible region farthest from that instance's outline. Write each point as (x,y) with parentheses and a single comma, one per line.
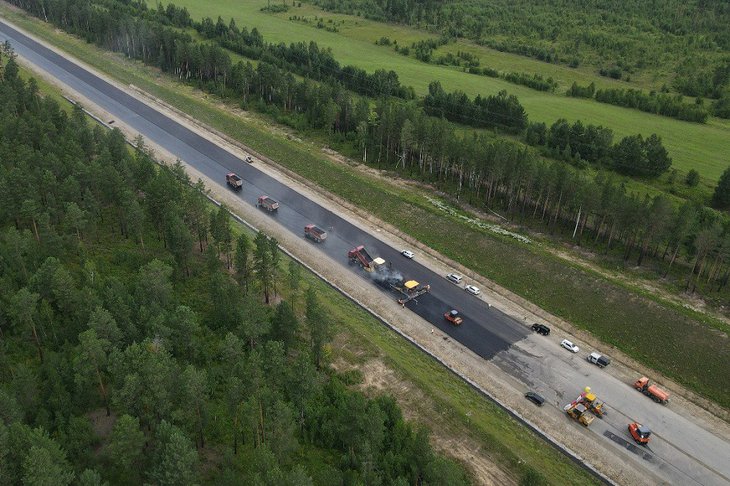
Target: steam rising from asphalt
(386,275)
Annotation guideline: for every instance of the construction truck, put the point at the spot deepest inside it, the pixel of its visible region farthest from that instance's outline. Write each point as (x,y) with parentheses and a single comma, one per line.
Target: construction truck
(651,391)
(640,433)
(360,256)
(265,202)
(410,290)
(592,403)
(579,413)
(234,181)
(314,233)
(453,317)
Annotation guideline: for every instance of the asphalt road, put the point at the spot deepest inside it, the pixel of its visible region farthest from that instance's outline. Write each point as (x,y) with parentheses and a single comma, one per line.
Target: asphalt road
(681,452)
(485,331)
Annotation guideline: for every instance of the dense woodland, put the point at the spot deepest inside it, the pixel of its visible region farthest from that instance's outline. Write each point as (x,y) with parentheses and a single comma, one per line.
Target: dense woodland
(142,341)
(691,243)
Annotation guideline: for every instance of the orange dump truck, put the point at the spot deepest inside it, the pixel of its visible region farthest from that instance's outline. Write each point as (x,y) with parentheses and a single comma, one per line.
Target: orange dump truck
(651,391)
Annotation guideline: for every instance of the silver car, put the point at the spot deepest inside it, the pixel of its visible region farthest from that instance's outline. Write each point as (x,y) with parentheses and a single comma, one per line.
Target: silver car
(569,346)
(472,290)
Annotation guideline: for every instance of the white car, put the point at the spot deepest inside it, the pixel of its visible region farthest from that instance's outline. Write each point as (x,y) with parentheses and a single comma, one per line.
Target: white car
(472,290)
(407,253)
(569,346)
(454,278)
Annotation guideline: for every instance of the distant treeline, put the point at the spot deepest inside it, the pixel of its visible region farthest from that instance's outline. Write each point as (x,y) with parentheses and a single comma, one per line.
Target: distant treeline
(657,103)
(304,59)
(502,110)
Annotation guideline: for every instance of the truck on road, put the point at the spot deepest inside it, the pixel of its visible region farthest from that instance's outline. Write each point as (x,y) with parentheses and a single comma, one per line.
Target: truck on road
(592,403)
(651,391)
(598,360)
(314,233)
(360,256)
(267,203)
(234,181)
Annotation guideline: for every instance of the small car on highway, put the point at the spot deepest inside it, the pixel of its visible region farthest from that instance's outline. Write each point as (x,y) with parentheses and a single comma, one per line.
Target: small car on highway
(407,253)
(541,329)
(640,433)
(569,346)
(472,290)
(454,278)
(535,398)
(454,317)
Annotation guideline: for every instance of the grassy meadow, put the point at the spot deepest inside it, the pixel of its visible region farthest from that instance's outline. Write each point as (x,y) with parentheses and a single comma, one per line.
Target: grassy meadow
(705,148)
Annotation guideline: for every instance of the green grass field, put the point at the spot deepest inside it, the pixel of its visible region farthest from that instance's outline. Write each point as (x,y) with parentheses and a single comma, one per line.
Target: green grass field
(609,310)
(704,148)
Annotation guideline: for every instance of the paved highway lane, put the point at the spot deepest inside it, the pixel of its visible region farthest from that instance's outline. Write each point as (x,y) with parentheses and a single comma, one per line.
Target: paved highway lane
(679,451)
(485,330)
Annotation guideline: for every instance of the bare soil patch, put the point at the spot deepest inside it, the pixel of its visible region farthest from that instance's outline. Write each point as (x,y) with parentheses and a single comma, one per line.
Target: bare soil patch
(378,379)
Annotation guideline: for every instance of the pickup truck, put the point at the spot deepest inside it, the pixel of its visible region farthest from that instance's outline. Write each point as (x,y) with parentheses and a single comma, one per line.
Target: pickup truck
(598,359)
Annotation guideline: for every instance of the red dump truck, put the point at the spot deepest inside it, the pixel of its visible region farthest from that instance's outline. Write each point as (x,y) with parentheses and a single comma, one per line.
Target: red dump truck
(314,233)
(651,391)
(234,181)
(267,203)
(359,255)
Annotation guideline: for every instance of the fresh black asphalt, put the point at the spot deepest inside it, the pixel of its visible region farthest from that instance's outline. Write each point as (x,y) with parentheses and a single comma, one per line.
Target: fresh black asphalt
(485,330)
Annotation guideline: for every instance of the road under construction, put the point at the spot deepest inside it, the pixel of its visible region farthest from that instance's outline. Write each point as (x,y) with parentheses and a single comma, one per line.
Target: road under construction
(682,452)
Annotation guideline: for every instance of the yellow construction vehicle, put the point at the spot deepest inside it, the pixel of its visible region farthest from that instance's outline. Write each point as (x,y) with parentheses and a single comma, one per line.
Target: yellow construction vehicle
(579,413)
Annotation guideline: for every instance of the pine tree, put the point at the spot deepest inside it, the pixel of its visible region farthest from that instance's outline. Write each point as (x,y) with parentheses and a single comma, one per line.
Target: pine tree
(721,197)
